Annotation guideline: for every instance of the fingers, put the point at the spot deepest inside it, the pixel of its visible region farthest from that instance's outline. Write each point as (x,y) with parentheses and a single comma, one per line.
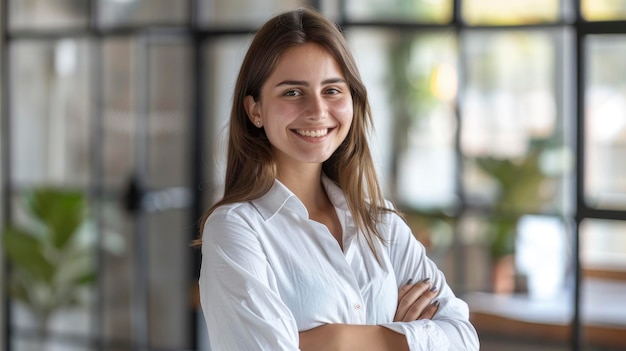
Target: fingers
(405,289)
(430,310)
(415,301)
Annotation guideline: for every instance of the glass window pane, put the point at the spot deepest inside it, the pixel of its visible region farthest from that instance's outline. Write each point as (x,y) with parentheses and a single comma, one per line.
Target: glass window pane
(526,255)
(142,12)
(371,49)
(513,135)
(167,127)
(119,114)
(412,84)
(50,111)
(223,58)
(243,12)
(603,259)
(526,287)
(474,243)
(510,12)
(169,280)
(47,14)
(116,273)
(603,246)
(169,114)
(438,11)
(27,343)
(605,108)
(603,10)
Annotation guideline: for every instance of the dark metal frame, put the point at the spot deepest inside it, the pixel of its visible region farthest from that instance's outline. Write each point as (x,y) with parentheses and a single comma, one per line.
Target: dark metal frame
(199,36)
(6,157)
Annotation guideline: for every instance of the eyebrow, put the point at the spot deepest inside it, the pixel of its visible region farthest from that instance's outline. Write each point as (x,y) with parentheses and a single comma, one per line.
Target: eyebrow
(305,83)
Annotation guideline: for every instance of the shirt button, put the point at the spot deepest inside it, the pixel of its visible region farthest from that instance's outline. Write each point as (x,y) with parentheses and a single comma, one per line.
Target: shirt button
(357,306)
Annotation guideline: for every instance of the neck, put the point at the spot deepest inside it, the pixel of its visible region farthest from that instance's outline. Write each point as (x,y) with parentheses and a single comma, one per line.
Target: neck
(306,185)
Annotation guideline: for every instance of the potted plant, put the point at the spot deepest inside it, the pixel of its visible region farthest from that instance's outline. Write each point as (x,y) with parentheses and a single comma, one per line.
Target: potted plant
(518,181)
(49,264)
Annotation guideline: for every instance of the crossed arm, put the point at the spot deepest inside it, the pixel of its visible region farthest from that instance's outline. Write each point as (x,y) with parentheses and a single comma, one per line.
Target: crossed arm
(414,302)
(244,311)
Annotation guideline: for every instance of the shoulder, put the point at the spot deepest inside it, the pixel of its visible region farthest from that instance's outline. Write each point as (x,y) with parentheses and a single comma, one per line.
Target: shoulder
(392,224)
(234,211)
(239,211)
(234,219)
(389,214)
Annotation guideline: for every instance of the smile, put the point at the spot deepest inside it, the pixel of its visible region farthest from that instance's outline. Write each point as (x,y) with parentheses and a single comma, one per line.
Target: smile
(318,133)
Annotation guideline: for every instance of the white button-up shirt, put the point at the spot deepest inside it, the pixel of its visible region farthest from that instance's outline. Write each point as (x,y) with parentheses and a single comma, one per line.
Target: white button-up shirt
(268,272)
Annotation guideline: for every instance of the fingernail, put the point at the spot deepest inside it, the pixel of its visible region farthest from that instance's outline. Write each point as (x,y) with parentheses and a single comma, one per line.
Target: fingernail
(433,289)
(426,280)
(409,281)
(436,304)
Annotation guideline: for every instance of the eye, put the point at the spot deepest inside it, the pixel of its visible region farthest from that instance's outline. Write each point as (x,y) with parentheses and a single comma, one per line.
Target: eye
(292,93)
(333,91)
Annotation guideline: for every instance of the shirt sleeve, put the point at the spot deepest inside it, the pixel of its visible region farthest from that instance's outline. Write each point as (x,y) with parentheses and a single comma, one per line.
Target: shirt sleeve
(450,328)
(238,291)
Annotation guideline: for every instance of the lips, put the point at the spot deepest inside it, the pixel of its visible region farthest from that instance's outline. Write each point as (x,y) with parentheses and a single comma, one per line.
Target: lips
(312,133)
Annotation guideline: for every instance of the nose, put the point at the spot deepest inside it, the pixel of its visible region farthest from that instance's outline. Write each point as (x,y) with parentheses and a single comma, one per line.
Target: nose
(316,107)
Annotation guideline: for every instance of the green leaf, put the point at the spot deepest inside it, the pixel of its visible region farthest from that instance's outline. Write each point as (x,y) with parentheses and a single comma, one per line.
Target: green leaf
(25,252)
(86,279)
(75,265)
(61,211)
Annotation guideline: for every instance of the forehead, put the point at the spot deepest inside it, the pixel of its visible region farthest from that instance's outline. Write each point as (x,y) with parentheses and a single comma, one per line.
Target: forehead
(307,60)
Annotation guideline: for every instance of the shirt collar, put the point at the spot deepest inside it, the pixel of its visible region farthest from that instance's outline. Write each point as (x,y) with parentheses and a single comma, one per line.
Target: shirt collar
(280,196)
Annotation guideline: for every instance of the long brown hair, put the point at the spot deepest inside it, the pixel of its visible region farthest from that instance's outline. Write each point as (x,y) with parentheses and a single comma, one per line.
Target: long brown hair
(250,170)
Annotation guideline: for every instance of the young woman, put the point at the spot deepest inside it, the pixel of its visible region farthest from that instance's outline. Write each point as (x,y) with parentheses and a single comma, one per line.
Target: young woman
(303,252)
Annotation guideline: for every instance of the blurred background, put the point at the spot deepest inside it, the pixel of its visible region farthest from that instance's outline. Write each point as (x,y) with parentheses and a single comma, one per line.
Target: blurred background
(500,132)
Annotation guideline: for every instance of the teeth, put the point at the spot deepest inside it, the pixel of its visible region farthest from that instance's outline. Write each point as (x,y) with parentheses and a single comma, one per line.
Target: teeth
(312,133)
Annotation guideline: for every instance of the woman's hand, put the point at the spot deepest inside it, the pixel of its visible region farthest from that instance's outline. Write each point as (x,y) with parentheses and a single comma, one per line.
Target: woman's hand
(415,301)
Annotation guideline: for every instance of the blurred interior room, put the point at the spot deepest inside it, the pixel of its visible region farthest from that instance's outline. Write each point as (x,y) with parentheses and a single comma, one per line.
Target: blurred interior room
(500,132)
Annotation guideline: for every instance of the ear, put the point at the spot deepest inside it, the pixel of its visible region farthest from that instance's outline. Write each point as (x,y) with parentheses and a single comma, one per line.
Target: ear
(253,110)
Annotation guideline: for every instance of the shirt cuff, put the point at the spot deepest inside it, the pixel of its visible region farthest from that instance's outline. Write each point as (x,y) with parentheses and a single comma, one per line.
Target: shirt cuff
(421,335)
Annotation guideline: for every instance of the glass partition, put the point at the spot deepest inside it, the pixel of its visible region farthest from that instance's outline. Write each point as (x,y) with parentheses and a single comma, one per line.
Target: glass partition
(511,12)
(169,298)
(516,177)
(223,57)
(400,10)
(603,10)
(169,113)
(605,119)
(130,13)
(412,82)
(146,156)
(48,14)
(50,108)
(119,113)
(514,137)
(603,262)
(242,13)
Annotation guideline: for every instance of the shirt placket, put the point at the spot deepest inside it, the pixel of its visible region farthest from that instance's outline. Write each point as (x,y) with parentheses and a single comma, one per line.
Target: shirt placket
(358,306)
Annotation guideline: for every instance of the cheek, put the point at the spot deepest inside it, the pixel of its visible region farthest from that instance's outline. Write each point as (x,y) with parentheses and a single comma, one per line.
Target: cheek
(281,113)
(345,112)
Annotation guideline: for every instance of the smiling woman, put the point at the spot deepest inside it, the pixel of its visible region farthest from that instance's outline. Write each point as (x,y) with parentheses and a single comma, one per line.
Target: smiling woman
(303,252)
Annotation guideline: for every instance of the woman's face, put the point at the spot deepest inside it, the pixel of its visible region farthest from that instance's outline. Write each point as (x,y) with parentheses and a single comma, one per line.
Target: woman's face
(305,106)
